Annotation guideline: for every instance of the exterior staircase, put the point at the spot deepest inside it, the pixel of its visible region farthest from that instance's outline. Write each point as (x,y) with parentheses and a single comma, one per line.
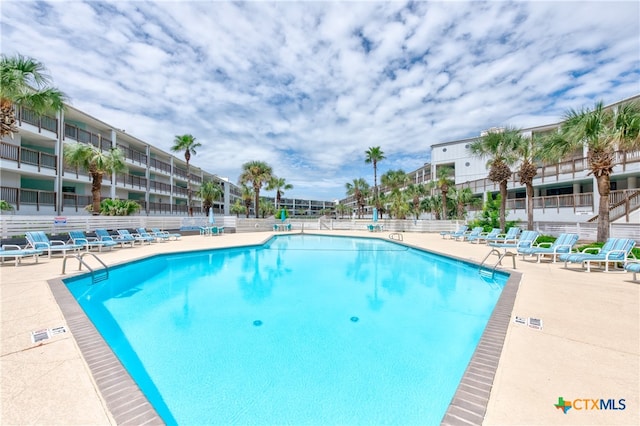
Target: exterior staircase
(622,207)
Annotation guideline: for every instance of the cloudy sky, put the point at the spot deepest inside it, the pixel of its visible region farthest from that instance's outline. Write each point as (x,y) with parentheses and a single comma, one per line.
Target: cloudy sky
(309,86)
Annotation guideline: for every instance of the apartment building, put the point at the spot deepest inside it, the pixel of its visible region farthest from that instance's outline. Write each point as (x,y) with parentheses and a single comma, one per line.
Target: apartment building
(564,191)
(35,180)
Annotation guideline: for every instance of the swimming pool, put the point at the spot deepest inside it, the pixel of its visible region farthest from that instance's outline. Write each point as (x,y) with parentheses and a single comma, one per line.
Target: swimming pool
(306,329)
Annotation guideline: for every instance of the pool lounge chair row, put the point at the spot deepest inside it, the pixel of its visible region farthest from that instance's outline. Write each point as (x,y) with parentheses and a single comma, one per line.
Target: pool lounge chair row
(616,251)
(478,236)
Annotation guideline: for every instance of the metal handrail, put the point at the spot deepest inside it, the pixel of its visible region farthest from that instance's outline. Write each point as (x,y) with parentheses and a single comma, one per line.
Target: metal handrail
(81,262)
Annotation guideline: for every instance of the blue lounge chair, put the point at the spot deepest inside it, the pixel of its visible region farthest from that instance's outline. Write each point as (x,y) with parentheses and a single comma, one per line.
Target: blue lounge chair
(372,227)
(38,240)
(633,267)
(152,237)
(125,235)
(614,250)
(104,235)
(17,253)
(526,240)
(484,236)
(453,234)
(157,231)
(475,232)
(511,236)
(79,238)
(563,244)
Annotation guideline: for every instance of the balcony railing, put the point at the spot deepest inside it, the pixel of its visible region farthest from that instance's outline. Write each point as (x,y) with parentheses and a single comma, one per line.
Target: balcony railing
(160,165)
(84,136)
(40,121)
(133,155)
(28,156)
(159,186)
(132,181)
(178,190)
(20,196)
(180,173)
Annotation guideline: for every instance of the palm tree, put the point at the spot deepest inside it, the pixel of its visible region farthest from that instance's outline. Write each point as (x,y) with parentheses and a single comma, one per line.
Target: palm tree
(188,144)
(527,150)
(359,189)
(498,147)
(24,82)
(342,209)
(373,155)
(96,162)
(258,173)
(463,197)
(238,207)
(395,181)
(280,185)
(415,192)
(209,191)
(432,204)
(602,131)
(247,197)
(443,182)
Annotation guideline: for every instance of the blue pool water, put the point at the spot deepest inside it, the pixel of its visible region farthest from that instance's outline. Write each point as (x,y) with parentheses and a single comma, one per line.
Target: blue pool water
(303,330)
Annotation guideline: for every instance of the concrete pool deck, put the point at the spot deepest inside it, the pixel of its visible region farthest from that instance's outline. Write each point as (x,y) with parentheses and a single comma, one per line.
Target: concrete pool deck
(588,349)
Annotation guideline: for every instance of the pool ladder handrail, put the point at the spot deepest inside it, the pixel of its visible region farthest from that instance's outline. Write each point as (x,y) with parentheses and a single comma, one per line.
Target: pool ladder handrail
(501,255)
(94,277)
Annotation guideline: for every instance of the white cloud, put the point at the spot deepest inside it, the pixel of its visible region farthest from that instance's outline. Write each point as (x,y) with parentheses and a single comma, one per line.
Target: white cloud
(309,86)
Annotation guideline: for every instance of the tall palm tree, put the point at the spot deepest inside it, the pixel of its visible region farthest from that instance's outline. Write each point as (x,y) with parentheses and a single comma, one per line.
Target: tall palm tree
(96,162)
(602,131)
(258,173)
(359,189)
(373,155)
(209,191)
(188,144)
(280,185)
(498,147)
(527,150)
(443,182)
(24,82)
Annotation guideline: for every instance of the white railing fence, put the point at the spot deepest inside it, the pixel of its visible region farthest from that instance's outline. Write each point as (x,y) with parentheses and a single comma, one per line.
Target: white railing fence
(17,225)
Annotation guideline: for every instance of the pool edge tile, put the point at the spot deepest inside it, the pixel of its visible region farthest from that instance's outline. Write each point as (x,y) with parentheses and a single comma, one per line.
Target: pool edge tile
(464,410)
(93,346)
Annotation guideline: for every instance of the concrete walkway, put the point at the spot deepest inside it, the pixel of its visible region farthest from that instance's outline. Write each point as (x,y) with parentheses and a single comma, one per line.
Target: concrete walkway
(588,349)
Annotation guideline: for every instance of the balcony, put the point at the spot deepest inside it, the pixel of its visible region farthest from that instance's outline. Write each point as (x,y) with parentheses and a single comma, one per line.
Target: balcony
(40,121)
(83,136)
(28,156)
(20,196)
(133,155)
(159,186)
(160,165)
(132,181)
(178,190)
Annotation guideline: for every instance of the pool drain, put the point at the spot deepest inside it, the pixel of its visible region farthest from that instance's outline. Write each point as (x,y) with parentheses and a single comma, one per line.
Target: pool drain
(257,323)
(355,319)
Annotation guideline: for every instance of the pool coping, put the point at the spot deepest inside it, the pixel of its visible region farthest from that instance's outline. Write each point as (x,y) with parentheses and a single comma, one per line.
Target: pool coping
(128,404)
